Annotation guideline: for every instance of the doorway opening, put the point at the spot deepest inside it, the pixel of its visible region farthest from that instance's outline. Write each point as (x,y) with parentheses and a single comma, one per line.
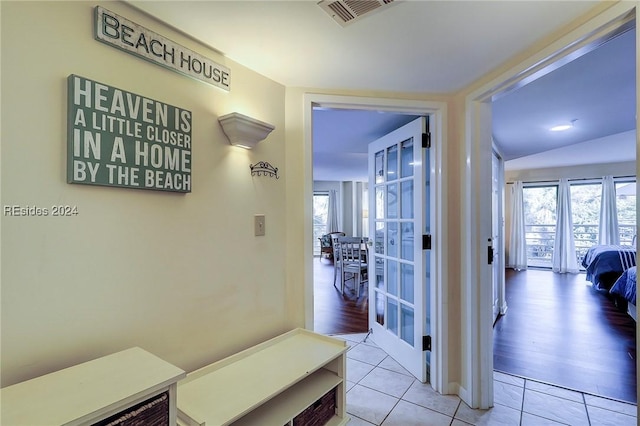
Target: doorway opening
(437,111)
(477,210)
(558,243)
(340,140)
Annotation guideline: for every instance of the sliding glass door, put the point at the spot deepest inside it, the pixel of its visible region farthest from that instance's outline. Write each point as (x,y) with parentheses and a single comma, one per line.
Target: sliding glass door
(586,199)
(540,223)
(626,206)
(540,202)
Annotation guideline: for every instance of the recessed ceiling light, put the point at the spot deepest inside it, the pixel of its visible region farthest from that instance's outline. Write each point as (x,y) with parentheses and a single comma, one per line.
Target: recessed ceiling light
(563,127)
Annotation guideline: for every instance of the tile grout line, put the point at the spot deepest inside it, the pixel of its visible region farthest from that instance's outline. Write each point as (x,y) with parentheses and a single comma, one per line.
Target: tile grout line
(583,394)
(586,409)
(525,381)
(398,398)
(524,390)
(455,412)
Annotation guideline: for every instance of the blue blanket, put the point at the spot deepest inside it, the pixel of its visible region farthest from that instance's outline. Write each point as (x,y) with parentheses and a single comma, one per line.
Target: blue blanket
(605,263)
(625,286)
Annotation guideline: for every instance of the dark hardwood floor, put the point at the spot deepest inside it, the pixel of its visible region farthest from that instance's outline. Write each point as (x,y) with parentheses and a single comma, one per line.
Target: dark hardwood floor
(335,313)
(559,330)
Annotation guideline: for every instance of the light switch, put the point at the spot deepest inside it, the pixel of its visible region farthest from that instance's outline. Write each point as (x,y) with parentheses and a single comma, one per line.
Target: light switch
(259,225)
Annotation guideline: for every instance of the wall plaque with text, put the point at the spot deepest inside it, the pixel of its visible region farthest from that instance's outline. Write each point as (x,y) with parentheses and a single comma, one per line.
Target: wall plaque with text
(118,138)
(130,37)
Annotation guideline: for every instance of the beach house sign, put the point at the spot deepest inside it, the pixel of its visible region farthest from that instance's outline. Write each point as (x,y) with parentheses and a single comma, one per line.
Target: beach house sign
(130,37)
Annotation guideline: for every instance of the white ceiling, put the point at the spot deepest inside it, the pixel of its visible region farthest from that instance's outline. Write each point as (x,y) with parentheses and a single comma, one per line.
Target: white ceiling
(415,46)
(597,90)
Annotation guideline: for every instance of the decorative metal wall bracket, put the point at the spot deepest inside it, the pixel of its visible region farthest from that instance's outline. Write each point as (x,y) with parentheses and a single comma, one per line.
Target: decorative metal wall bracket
(262,168)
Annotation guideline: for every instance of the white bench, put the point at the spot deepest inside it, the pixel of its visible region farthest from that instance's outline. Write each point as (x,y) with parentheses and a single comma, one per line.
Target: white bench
(273,383)
(93,391)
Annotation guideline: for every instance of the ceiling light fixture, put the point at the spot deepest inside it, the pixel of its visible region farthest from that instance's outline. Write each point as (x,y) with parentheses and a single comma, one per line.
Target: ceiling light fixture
(563,127)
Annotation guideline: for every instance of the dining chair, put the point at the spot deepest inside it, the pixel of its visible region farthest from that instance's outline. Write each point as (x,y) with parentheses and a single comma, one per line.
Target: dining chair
(337,258)
(326,244)
(353,260)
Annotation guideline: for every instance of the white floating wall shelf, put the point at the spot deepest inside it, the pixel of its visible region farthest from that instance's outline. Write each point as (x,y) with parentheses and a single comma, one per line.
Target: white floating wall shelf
(244,131)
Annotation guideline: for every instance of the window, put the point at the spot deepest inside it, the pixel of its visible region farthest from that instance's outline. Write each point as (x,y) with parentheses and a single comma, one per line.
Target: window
(540,223)
(626,206)
(320,212)
(586,199)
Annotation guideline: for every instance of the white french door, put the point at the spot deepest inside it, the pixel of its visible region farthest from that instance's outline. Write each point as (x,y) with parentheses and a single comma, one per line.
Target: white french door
(496,234)
(399,267)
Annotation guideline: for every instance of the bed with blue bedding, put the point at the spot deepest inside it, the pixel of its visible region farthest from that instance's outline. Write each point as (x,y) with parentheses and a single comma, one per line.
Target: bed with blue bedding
(606,263)
(625,288)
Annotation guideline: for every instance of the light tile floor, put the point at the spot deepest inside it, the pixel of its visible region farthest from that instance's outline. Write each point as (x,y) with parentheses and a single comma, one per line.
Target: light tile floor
(381,392)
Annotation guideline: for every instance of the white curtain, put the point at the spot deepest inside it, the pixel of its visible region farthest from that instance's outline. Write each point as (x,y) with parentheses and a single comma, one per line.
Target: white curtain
(608,232)
(517,239)
(564,252)
(332,213)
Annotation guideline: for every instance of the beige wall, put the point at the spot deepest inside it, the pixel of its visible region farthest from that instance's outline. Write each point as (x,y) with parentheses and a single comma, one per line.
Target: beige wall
(180,275)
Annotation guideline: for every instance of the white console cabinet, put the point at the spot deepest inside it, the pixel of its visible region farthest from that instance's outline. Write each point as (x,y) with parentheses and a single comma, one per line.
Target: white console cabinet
(277,382)
(85,394)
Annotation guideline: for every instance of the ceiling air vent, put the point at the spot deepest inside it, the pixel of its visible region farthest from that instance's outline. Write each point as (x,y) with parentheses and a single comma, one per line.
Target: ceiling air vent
(345,12)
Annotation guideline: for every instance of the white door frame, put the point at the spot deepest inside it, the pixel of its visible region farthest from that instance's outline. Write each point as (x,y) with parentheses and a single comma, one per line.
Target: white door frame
(438,114)
(476,207)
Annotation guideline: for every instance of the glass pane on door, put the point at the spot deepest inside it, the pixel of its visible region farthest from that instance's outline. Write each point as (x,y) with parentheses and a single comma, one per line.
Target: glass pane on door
(406,319)
(407,241)
(392,163)
(379,202)
(379,167)
(392,316)
(406,199)
(406,282)
(392,277)
(392,239)
(406,164)
(379,282)
(379,238)
(379,307)
(392,201)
